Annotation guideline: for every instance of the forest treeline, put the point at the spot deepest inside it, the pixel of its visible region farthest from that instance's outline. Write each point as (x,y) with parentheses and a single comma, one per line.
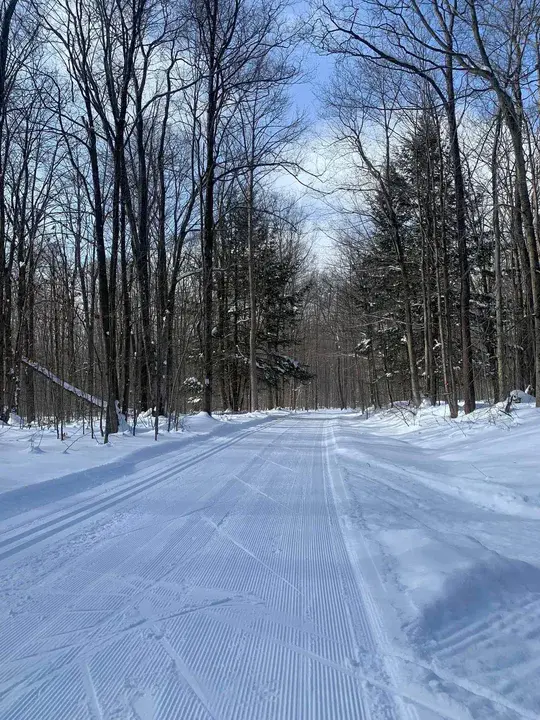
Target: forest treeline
(148,263)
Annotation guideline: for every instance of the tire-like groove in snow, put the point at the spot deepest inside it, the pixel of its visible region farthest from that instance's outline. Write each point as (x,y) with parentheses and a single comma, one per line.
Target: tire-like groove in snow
(88,510)
(361,613)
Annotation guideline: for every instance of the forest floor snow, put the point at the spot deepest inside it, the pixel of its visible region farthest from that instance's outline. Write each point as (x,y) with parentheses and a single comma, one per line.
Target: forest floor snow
(310,566)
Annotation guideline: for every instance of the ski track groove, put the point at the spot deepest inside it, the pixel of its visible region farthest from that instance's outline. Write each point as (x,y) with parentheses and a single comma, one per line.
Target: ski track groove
(84,579)
(91,691)
(186,674)
(248,552)
(471,687)
(89,510)
(371,613)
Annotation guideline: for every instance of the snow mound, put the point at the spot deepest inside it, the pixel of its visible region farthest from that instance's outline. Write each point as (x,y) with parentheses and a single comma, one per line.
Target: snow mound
(518,396)
(454,580)
(202,422)
(492,584)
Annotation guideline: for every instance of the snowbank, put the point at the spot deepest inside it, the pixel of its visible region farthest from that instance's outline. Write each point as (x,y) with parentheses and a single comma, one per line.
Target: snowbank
(442,517)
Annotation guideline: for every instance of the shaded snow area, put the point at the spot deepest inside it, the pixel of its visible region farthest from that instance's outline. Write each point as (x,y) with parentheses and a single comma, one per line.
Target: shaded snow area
(32,455)
(316,566)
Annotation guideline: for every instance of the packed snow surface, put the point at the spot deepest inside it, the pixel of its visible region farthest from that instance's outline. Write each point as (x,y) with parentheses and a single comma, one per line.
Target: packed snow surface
(310,566)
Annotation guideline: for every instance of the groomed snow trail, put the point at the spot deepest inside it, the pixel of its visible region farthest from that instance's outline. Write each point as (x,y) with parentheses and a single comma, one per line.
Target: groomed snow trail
(219,588)
(301,569)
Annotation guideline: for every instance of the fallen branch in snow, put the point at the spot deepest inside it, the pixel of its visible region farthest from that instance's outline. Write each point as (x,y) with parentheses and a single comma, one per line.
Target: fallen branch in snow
(81,394)
(36,448)
(73,441)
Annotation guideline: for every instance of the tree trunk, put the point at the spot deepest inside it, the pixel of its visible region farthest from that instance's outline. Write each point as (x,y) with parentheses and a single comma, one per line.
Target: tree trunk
(208,220)
(461,229)
(499,378)
(252,296)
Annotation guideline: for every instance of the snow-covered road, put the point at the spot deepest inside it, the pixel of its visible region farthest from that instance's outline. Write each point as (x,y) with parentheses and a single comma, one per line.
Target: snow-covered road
(275,573)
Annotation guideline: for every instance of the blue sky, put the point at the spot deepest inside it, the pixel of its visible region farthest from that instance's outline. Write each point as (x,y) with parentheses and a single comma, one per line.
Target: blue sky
(306,95)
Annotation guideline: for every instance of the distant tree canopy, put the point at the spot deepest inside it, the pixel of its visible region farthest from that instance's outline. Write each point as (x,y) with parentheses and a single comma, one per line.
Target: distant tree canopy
(147,261)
